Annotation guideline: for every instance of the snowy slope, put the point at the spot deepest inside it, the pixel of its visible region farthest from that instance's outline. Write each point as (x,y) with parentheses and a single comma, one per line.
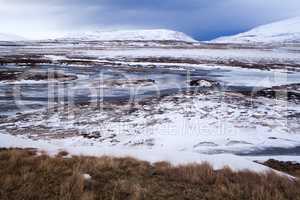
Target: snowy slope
(10,37)
(132,35)
(286,31)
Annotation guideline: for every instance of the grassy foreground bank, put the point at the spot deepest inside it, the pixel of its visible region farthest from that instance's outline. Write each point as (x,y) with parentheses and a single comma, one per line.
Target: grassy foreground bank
(24,174)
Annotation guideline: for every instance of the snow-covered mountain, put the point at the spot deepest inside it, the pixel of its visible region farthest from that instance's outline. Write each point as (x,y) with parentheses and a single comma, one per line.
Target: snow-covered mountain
(286,31)
(10,37)
(132,35)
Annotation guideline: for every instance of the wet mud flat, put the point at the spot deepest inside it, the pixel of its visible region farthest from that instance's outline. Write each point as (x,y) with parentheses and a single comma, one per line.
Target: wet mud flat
(79,84)
(118,81)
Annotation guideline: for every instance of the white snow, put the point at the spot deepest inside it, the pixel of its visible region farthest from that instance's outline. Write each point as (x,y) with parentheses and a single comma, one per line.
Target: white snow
(10,37)
(204,83)
(87,177)
(282,31)
(74,146)
(130,35)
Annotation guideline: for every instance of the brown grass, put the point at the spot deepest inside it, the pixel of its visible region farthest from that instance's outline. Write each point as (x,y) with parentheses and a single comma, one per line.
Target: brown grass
(26,175)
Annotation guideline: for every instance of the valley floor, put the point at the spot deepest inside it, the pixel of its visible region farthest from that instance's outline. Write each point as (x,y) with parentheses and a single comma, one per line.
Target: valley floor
(182,103)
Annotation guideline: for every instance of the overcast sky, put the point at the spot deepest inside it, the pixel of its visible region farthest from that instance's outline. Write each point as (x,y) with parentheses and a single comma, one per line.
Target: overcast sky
(202,19)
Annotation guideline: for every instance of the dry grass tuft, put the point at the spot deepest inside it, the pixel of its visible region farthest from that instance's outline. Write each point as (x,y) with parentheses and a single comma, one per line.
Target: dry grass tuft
(26,175)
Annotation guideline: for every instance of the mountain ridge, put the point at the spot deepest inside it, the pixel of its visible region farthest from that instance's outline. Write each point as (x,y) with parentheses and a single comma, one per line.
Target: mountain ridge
(10,37)
(131,35)
(284,31)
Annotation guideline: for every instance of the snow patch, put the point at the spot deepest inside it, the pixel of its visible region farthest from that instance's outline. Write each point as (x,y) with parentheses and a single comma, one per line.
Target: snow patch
(86,177)
(75,146)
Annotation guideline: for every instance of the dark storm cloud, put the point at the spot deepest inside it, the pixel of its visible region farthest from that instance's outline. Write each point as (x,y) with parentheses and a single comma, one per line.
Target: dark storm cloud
(204,19)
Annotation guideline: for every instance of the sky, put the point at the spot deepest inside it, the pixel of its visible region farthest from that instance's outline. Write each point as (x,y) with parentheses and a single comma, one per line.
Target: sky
(201,19)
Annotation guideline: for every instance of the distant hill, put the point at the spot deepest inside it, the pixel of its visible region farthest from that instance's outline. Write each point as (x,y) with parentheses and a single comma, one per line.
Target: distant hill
(286,31)
(131,35)
(10,37)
